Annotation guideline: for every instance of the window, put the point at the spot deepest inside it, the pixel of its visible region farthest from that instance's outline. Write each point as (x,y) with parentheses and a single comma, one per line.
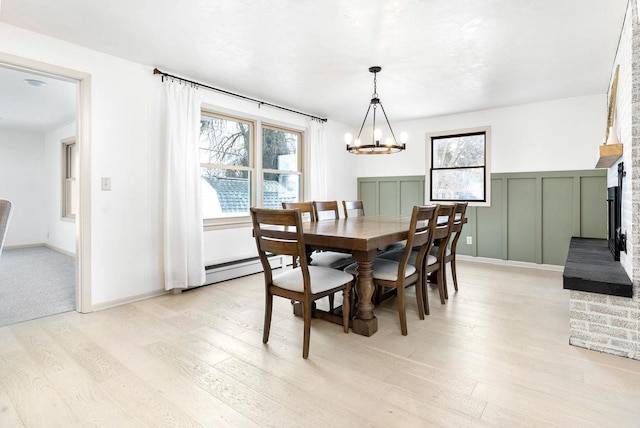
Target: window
(233,180)
(69,191)
(459,169)
(280,166)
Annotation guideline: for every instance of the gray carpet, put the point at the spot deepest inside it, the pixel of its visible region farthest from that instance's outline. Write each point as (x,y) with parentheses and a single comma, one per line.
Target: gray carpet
(35,282)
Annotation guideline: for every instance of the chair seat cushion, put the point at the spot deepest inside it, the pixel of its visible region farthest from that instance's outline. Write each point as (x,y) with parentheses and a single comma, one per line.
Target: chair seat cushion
(330,259)
(384,269)
(397,256)
(434,251)
(322,279)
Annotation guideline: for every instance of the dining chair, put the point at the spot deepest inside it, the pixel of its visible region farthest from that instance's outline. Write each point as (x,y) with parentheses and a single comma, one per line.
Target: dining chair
(6,207)
(323,258)
(326,210)
(450,251)
(332,259)
(306,209)
(444,227)
(356,206)
(397,275)
(280,232)
(432,265)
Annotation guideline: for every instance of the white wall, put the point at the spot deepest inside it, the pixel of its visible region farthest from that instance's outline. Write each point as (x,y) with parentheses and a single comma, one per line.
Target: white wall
(547,136)
(21,177)
(61,233)
(126,254)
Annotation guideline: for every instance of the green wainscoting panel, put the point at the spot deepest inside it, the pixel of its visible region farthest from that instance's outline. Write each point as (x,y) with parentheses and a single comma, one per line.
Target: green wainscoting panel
(532,216)
(410,192)
(593,213)
(557,218)
(521,219)
(490,224)
(367,193)
(391,195)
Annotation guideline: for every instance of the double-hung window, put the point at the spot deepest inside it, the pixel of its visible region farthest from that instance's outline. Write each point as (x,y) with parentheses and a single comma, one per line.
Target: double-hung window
(459,169)
(233,180)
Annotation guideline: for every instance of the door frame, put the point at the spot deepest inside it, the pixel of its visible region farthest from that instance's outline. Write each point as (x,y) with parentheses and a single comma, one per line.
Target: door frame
(83,141)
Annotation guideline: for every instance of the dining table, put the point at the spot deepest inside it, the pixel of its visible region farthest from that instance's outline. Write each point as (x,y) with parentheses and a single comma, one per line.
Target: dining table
(362,237)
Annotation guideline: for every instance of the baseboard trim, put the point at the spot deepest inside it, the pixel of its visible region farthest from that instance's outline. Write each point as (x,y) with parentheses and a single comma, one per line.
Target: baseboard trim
(18,247)
(131,299)
(511,263)
(41,244)
(60,250)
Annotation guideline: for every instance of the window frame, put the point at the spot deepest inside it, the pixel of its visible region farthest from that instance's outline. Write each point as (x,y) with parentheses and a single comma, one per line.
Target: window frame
(431,137)
(299,172)
(255,168)
(69,180)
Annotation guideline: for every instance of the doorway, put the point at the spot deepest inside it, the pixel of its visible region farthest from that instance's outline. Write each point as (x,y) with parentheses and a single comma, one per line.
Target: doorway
(50,225)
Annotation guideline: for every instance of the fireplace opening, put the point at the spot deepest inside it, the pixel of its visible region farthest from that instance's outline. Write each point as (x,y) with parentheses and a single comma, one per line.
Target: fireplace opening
(614,217)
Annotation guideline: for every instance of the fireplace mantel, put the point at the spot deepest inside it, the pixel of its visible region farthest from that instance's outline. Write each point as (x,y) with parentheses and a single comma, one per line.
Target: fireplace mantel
(591,268)
(609,154)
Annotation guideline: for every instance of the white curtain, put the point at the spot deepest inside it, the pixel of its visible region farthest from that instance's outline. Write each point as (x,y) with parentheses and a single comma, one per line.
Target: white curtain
(182,204)
(317,174)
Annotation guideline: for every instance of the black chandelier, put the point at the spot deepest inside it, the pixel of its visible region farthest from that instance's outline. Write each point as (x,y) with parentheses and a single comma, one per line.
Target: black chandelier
(390,144)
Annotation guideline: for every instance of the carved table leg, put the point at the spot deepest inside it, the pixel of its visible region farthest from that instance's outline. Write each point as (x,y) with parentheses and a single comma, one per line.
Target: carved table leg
(365,322)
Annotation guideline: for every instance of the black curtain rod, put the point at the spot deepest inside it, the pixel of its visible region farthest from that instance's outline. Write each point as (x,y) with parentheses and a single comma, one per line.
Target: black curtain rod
(260,103)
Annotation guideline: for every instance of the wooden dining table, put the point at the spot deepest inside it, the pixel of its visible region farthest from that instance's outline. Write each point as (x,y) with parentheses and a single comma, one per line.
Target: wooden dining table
(361,236)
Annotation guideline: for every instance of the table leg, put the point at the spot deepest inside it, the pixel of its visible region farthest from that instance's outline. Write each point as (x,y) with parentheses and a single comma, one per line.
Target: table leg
(365,322)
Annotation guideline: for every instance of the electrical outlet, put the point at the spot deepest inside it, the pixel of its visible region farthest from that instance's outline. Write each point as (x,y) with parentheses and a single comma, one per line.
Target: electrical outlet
(469,240)
(106,183)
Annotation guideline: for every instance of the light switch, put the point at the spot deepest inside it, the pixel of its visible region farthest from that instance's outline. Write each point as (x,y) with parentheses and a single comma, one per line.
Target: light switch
(106,183)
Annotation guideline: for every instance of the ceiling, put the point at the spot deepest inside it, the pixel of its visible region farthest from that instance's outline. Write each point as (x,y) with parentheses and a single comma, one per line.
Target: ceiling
(35,108)
(437,56)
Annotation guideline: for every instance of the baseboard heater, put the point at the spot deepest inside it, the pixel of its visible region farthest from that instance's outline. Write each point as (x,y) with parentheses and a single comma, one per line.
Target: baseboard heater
(238,268)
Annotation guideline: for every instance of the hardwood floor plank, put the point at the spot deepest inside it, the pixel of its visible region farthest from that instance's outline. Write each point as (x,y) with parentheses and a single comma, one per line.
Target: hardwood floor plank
(88,401)
(31,394)
(251,404)
(8,414)
(141,401)
(44,351)
(200,405)
(8,342)
(96,361)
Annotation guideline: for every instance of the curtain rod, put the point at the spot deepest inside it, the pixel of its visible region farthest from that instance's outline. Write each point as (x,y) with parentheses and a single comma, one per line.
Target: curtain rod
(260,103)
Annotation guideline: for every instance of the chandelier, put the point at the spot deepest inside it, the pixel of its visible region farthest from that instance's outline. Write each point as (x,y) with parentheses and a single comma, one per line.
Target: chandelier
(390,144)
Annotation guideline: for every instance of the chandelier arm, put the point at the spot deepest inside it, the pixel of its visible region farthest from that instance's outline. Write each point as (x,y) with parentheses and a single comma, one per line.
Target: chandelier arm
(388,124)
(373,129)
(363,122)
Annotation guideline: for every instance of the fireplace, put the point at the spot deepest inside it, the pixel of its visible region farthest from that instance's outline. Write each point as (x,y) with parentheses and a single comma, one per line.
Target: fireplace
(614,216)
(613,220)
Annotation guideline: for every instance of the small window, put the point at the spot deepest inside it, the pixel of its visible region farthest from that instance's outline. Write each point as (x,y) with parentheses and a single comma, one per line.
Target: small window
(69,192)
(459,170)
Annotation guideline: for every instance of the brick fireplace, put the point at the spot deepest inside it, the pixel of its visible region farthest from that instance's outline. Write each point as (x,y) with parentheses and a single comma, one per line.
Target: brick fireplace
(610,321)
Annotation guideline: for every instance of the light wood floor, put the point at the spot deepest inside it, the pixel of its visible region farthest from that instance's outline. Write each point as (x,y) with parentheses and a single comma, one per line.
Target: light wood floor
(496,354)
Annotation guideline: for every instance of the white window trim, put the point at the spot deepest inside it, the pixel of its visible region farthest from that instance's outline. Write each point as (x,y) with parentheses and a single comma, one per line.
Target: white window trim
(487,171)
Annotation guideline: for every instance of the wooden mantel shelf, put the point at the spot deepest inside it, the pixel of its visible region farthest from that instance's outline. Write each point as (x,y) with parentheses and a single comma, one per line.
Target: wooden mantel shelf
(609,154)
